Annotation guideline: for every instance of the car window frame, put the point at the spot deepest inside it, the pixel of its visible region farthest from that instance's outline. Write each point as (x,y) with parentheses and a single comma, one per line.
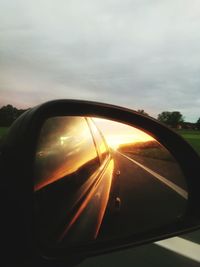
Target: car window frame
(93,125)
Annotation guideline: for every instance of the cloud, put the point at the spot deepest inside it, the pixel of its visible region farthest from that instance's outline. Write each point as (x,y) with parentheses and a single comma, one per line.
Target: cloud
(139,54)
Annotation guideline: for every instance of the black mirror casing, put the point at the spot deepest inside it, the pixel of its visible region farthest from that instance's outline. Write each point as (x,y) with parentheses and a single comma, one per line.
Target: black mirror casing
(16,164)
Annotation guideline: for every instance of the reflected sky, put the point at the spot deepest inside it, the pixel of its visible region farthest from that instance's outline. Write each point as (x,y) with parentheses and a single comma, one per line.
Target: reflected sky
(118,133)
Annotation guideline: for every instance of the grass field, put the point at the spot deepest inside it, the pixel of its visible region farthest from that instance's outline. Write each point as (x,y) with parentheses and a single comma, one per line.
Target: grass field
(193,137)
(3,131)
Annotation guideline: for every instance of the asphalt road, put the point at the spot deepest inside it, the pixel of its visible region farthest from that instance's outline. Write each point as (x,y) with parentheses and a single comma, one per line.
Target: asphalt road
(180,251)
(146,201)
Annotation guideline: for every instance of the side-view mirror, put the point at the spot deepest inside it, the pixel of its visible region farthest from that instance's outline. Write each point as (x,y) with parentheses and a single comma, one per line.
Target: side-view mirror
(84,178)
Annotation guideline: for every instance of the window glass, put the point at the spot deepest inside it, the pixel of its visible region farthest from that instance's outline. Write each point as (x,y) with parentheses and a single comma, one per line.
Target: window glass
(65,148)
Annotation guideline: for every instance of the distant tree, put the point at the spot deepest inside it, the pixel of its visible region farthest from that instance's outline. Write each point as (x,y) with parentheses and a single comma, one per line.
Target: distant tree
(198,124)
(142,112)
(8,114)
(172,119)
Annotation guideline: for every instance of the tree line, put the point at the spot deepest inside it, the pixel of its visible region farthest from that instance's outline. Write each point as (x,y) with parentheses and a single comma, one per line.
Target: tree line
(8,114)
(174,119)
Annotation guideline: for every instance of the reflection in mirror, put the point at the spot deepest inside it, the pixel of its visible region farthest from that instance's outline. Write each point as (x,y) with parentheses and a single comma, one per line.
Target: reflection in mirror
(97,179)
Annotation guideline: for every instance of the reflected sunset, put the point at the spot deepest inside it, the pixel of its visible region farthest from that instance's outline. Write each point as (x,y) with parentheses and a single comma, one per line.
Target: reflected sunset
(85,171)
(64,142)
(63,150)
(117,133)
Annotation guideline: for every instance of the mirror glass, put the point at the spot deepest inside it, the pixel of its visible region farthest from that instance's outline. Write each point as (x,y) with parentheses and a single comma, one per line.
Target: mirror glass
(96,179)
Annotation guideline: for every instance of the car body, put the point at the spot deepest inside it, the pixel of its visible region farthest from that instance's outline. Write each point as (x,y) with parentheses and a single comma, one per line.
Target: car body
(77,185)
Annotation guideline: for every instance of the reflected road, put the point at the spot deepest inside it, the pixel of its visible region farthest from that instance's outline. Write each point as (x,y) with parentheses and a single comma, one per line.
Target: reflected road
(146,202)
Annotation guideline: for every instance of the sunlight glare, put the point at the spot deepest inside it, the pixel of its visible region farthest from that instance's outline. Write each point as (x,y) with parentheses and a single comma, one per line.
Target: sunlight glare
(117,133)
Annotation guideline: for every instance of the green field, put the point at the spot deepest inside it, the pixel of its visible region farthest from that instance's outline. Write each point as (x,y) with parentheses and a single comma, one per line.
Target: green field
(193,137)
(3,131)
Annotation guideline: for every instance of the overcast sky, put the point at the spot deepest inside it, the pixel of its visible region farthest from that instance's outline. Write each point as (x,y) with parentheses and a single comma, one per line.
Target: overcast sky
(142,54)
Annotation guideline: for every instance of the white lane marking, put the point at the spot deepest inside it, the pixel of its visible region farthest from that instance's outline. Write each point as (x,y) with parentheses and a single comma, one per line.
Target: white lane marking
(182,246)
(170,184)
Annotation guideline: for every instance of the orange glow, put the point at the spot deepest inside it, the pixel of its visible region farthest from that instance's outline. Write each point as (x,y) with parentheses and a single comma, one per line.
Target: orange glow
(117,133)
(102,188)
(64,154)
(106,192)
(67,168)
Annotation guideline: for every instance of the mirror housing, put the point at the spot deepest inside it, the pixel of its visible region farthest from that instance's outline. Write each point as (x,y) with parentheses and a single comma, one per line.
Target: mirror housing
(17,167)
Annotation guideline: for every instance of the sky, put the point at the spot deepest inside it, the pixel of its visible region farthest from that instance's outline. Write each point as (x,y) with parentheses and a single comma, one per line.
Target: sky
(140,54)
